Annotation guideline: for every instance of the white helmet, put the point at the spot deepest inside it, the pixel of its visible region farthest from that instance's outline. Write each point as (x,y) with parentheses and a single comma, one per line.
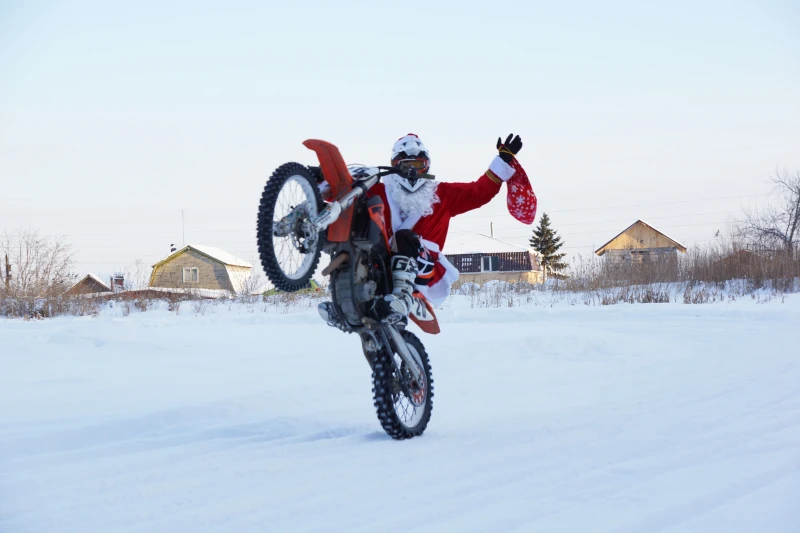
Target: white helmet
(410,151)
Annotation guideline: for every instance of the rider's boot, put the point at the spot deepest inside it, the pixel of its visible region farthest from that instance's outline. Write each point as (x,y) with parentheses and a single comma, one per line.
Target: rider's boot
(327,313)
(396,306)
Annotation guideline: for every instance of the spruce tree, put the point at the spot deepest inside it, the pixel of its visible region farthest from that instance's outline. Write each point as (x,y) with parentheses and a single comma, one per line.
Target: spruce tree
(546,241)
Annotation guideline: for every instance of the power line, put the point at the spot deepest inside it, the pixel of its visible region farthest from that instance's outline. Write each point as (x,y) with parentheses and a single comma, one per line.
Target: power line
(585,162)
(674,154)
(596,222)
(128,234)
(632,205)
(117,234)
(146,233)
(95,258)
(606,231)
(236,243)
(213,243)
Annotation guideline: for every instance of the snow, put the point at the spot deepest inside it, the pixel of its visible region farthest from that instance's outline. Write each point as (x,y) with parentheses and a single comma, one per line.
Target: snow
(238,279)
(194,292)
(221,255)
(232,417)
(480,243)
(98,280)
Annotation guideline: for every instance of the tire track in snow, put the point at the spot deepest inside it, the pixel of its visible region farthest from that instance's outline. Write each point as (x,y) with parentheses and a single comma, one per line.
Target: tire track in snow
(688,511)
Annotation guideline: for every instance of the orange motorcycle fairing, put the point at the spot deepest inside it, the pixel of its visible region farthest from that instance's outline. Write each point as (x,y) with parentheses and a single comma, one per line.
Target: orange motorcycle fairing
(428,326)
(376,214)
(339,179)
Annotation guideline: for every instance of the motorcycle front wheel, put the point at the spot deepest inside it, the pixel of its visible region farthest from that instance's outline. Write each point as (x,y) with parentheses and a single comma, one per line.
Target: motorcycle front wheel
(403,401)
(288,244)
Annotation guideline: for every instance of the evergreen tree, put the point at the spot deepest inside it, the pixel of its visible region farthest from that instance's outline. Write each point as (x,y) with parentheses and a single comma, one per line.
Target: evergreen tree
(546,241)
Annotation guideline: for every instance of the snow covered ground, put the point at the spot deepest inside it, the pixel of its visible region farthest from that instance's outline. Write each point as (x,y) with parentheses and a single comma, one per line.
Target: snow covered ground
(628,418)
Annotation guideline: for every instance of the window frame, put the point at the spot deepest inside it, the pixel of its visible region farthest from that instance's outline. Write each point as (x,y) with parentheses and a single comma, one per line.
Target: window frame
(490,257)
(194,270)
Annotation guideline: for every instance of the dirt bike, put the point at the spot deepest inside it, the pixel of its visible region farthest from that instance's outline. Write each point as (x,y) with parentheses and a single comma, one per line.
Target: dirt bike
(295,225)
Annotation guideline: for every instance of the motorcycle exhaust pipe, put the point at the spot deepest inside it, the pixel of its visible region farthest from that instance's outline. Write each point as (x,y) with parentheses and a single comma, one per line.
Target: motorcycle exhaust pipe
(338,261)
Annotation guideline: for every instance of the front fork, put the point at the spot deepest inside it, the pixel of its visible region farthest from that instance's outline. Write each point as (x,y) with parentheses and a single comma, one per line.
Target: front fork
(334,209)
(386,336)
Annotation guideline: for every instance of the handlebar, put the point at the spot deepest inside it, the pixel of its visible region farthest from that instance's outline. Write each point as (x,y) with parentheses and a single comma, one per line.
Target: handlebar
(408,172)
(359,187)
(387,171)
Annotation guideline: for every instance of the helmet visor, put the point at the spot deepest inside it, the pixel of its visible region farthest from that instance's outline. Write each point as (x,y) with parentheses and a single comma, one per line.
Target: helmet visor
(419,164)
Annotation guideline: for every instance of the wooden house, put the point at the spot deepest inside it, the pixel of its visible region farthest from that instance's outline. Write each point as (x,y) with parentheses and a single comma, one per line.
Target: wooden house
(201,267)
(641,244)
(480,258)
(90,284)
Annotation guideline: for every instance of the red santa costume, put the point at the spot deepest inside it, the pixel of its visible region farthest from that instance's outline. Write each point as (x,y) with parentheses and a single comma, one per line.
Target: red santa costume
(427,211)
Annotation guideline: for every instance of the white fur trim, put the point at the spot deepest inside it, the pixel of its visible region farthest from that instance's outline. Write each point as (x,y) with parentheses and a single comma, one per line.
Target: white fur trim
(501,169)
(438,292)
(410,222)
(395,212)
(398,224)
(430,245)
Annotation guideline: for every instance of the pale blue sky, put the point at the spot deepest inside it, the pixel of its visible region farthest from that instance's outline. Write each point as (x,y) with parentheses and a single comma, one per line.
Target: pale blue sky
(114,117)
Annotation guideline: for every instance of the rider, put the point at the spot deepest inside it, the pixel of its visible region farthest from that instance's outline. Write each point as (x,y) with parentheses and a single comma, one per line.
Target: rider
(418,211)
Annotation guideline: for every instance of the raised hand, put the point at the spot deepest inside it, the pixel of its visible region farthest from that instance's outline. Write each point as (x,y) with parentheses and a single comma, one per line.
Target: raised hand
(509,149)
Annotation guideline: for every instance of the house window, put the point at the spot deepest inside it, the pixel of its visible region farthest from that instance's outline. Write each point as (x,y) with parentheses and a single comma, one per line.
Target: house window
(490,263)
(191,275)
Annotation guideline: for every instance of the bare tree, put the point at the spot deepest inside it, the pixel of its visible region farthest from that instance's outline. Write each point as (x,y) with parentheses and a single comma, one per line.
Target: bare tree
(40,266)
(137,277)
(250,285)
(778,226)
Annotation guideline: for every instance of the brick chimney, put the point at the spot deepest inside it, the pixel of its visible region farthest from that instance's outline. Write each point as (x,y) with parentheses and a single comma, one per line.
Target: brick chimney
(117,283)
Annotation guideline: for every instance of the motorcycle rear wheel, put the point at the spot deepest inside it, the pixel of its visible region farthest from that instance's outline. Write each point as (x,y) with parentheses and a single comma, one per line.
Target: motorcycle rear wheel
(289,248)
(401,415)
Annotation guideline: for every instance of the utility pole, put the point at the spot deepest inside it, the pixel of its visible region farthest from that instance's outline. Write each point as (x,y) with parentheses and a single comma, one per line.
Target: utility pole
(491,229)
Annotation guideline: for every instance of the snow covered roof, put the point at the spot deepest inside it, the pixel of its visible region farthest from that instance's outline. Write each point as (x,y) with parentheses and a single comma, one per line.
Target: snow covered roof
(678,244)
(221,255)
(97,279)
(214,253)
(466,243)
(93,277)
(676,241)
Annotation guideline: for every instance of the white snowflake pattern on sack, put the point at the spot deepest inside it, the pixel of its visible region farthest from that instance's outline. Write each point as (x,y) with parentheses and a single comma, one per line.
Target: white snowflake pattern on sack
(521,199)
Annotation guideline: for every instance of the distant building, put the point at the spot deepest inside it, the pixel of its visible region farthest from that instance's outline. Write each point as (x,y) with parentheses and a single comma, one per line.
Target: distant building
(642,244)
(90,284)
(483,258)
(739,264)
(201,267)
(117,282)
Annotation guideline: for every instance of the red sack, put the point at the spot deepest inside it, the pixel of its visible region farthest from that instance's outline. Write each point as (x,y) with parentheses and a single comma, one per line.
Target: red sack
(521,199)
